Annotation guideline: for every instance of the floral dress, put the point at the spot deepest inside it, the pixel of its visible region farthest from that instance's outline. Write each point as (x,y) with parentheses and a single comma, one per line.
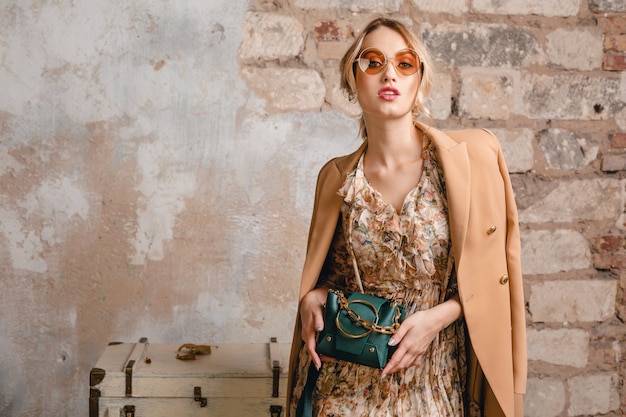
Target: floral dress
(407,257)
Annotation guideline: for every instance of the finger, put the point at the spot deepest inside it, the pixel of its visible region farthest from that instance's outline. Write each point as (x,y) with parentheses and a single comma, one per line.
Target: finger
(394,361)
(317,361)
(397,337)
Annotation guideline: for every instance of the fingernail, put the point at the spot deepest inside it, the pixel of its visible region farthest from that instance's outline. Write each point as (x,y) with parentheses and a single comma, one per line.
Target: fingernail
(382,376)
(318,367)
(392,342)
(318,328)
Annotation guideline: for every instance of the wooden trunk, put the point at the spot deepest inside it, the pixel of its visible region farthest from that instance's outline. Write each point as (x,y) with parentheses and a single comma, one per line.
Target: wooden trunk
(146,380)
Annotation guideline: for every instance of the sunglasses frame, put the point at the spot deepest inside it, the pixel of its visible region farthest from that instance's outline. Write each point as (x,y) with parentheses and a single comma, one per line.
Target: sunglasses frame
(418,67)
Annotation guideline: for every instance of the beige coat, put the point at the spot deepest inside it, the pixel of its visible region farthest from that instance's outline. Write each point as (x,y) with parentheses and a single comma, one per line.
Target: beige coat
(486,245)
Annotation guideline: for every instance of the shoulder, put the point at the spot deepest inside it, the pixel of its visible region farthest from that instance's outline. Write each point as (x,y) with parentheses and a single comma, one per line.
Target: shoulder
(340,166)
(474,137)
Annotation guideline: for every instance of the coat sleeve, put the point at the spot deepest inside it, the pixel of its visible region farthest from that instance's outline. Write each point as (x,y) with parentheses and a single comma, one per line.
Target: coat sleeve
(518,312)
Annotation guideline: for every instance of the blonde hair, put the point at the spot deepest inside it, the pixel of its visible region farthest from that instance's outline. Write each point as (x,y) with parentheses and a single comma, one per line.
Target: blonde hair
(348,66)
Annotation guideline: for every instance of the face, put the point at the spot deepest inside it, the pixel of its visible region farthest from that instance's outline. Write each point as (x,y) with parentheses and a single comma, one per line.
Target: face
(389,93)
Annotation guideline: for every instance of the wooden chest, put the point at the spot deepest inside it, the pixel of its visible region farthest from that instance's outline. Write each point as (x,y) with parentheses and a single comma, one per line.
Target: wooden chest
(146,380)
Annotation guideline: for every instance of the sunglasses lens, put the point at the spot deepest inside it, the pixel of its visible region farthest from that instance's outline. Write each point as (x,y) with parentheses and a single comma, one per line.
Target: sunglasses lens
(407,62)
(372,61)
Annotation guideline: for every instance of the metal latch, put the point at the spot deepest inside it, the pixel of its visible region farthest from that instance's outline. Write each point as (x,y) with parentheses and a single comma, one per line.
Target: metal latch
(276,410)
(275,359)
(128,411)
(197,396)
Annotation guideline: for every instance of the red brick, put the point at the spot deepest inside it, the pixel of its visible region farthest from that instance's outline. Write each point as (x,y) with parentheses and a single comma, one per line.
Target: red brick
(618,140)
(616,43)
(615,25)
(609,260)
(611,243)
(330,30)
(613,62)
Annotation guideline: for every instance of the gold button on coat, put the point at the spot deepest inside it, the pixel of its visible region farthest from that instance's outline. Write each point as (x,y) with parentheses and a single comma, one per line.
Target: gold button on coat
(504,279)
(491,230)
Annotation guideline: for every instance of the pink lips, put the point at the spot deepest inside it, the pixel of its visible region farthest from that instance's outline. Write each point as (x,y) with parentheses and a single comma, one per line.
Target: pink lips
(388,93)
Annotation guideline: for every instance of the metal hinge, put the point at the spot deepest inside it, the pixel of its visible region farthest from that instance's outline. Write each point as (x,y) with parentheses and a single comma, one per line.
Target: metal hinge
(96,376)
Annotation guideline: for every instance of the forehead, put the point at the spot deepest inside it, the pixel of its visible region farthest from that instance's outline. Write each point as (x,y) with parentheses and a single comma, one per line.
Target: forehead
(386,39)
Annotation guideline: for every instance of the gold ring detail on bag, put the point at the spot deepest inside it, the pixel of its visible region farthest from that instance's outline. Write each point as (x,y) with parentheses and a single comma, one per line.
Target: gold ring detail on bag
(370,326)
(354,316)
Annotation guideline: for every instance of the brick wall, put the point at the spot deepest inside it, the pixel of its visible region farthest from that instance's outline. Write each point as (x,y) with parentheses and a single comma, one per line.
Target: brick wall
(549,78)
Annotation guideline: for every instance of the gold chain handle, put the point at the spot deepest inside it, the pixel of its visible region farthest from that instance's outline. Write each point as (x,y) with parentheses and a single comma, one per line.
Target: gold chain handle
(367,324)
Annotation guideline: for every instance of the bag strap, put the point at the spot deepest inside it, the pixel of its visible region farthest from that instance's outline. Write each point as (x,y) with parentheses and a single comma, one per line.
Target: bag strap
(305,405)
(348,240)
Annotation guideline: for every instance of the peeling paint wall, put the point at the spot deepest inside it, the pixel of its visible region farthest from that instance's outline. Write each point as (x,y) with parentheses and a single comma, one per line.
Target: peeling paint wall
(158,160)
(144,192)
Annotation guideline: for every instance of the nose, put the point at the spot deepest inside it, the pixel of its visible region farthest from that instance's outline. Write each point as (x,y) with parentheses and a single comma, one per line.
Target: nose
(389,72)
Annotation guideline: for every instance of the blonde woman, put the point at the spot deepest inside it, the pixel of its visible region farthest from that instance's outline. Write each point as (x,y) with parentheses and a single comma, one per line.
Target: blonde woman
(430,219)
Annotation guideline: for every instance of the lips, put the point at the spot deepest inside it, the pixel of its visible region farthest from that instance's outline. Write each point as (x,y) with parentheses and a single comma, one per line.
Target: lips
(388,93)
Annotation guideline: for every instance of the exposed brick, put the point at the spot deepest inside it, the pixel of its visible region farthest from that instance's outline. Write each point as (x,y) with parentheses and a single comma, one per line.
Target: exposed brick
(480,45)
(331,30)
(543,8)
(517,147)
(616,25)
(456,7)
(609,260)
(268,36)
(564,48)
(614,62)
(593,394)
(615,43)
(614,163)
(607,6)
(549,252)
(547,346)
(572,301)
(486,94)
(544,397)
(441,96)
(575,97)
(577,194)
(611,243)
(331,50)
(565,149)
(618,140)
(362,5)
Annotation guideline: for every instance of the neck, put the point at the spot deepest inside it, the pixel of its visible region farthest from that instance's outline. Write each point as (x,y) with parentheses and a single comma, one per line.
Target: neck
(390,142)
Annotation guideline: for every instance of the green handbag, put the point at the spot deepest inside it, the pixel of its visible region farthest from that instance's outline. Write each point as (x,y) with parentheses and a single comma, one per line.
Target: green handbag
(357,328)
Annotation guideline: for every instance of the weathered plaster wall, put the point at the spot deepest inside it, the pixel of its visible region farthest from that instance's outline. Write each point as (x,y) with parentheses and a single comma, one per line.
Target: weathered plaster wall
(158,159)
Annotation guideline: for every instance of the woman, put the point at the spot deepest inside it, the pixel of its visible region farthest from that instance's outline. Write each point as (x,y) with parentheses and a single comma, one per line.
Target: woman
(430,219)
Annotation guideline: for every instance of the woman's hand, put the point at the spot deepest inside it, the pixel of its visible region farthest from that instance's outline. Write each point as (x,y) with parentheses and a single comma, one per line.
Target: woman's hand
(312,317)
(418,331)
